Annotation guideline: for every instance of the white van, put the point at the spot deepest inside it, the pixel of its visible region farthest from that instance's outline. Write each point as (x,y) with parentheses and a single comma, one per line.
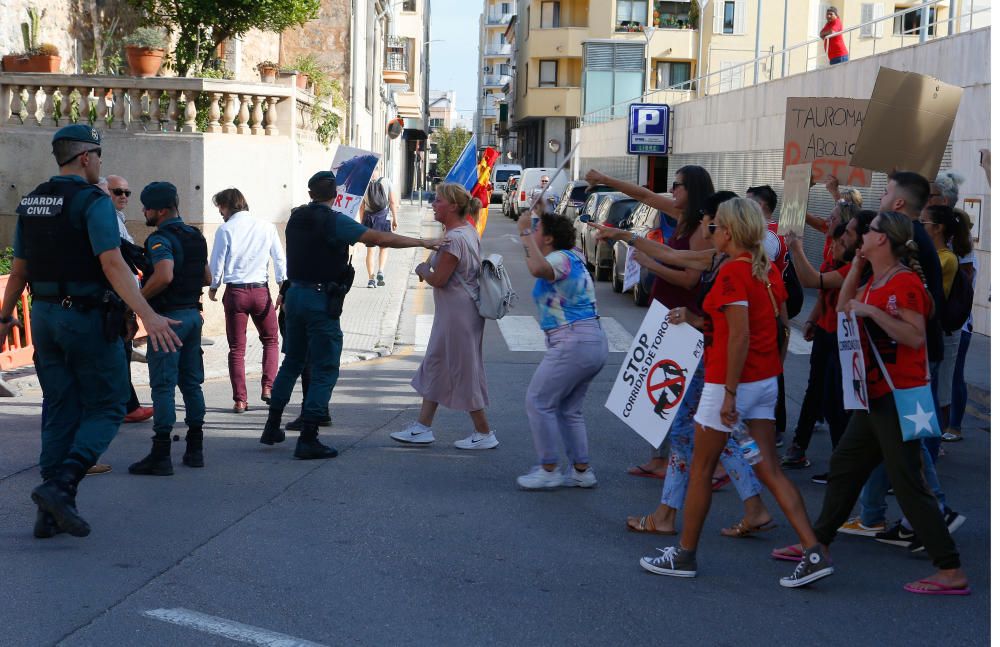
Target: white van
(501,173)
(531,180)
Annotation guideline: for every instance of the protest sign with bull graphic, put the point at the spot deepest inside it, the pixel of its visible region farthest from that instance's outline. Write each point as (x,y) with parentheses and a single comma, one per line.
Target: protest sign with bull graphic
(656,373)
(852,362)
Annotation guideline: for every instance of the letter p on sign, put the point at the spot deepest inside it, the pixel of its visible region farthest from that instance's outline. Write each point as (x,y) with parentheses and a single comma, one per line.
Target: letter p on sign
(647,118)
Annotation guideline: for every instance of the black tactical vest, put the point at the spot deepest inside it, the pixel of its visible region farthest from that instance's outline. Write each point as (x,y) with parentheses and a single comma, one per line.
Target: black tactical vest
(311,259)
(190,256)
(55,249)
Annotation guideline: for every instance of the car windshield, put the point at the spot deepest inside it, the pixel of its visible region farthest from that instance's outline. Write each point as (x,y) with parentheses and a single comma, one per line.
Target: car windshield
(579,193)
(503,176)
(620,211)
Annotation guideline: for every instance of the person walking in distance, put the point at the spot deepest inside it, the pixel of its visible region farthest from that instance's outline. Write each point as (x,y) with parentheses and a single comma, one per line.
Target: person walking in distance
(577,349)
(319,276)
(381,209)
(452,371)
(120,194)
(66,247)
(243,245)
(178,255)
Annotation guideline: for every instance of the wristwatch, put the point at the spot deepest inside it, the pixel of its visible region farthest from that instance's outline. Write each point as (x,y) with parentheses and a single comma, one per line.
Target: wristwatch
(634,237)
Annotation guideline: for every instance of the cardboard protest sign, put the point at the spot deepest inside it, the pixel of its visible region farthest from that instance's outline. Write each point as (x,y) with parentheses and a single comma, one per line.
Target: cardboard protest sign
(823,131)
(654,379)
(908,123)
(852,362)
(632,270)
(796,201)
(354,168)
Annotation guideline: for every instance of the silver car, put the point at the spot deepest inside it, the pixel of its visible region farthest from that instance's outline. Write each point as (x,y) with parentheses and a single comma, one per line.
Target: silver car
(614,209)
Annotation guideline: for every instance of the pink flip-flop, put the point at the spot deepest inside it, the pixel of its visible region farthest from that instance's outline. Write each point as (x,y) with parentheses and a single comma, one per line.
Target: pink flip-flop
(940,589)
(789,553)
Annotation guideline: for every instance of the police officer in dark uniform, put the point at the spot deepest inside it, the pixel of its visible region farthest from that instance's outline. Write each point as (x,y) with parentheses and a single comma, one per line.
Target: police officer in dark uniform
(319,275)
(178,256)
(66,247)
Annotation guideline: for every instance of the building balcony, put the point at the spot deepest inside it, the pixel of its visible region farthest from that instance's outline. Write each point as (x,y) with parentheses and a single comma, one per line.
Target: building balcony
(489,112)
(557,42)
(395,67)
(498,51)
(680,44)
(498,19)
(564,101)
(495,81)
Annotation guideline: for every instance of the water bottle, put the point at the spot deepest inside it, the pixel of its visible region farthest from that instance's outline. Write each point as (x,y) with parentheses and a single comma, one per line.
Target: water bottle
(748,446)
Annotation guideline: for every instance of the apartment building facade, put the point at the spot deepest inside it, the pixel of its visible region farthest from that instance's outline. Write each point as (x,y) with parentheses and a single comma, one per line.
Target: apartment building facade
(579,58)
(494,71)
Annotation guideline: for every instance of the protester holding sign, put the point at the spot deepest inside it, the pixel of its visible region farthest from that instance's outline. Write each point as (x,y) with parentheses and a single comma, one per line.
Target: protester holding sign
(743,310)
(893,307)
(577,349)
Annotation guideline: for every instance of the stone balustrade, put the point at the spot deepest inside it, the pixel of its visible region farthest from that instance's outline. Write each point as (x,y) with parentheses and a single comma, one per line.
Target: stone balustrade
(155,105)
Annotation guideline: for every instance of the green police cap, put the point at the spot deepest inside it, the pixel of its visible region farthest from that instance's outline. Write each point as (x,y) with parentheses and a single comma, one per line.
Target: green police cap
(77,133)
(322,176)
(159,195)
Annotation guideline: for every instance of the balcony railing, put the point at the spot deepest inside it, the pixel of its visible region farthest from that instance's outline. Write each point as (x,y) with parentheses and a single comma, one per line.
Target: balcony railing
(498,19)
(498,50)
(496,80)
(396,64)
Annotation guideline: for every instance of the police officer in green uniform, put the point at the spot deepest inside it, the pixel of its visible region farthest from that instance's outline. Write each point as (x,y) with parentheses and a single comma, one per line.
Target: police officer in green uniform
(319,275)
(178,256)
(66,248)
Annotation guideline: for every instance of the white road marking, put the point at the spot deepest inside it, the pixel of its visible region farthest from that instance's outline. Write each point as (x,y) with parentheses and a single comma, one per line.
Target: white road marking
(522,334)
(227,628)
(423,332)
(797,345)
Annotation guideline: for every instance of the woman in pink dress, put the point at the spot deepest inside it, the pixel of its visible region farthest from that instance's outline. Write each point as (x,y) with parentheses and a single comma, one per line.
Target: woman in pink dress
(452,371)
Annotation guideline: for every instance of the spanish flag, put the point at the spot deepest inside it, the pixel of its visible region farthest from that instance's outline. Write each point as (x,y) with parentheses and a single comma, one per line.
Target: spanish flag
(483,188)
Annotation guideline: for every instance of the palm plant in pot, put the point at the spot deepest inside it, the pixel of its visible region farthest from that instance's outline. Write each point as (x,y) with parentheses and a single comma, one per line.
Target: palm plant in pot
(144,50)
(36,57)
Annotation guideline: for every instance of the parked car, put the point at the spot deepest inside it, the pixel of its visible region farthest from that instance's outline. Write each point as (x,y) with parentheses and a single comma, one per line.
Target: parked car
(508,199)
(575,195)
(530,180)
(584,215)
(642,221)
(501,174)
(614,209)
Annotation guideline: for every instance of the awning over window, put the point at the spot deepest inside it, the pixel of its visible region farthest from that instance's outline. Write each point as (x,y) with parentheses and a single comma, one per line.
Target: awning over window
(408,104)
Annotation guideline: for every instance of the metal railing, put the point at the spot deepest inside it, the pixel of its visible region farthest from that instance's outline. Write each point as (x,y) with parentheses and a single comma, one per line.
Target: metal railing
(498,50)
(396,56)
(496,80)
(776,64)
(497,19)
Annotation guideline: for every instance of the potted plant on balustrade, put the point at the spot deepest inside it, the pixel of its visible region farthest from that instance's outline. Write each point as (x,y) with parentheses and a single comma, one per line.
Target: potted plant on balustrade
(268,71)
(144,50)
(309,72)
(36,57)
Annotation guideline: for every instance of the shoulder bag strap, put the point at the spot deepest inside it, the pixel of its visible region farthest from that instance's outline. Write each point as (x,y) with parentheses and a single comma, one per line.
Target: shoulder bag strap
(774,302)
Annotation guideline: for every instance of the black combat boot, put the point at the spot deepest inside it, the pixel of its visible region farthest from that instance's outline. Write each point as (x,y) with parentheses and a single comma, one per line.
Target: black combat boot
(157,463)
(296,425)
(193,455)
(272,428)
(309,446)
(45,525)
(57,497)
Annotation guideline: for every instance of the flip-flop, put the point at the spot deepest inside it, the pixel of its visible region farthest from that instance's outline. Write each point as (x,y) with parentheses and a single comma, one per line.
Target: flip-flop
(789,553)
(646,526)
(940,589)
(719,482)
(740,529)
(639,470)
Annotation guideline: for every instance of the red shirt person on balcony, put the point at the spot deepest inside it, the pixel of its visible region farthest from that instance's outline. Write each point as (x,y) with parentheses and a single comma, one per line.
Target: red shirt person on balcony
(836,50)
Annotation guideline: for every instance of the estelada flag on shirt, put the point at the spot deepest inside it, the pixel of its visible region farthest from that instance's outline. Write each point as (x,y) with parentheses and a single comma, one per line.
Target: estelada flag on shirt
(483,188)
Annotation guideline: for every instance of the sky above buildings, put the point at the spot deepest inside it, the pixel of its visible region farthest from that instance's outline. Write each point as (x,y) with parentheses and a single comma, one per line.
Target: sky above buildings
(455,51)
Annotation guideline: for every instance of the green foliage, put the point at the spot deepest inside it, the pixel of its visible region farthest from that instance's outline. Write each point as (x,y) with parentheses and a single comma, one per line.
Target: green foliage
(29,31)
(450,142)
(694,13)
(201,25)
(148,37)
(6,260)
(326,126)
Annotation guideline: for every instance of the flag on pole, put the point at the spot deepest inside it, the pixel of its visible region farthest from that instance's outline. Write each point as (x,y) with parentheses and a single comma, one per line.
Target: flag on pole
(483,188)
(464,170)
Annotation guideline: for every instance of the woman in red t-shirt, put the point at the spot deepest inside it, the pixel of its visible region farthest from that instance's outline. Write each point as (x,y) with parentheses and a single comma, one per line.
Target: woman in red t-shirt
(743,357)
(892,308)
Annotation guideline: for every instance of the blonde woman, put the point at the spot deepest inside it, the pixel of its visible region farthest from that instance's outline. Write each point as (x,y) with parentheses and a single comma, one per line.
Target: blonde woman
(452,371)
(742,362)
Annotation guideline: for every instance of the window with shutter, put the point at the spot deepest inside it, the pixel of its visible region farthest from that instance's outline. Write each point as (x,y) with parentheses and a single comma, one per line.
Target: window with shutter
(879,12)
(740,17)
(547,74)
(629,57)
(731,77)
(867,15)
(717,14)
(599,56)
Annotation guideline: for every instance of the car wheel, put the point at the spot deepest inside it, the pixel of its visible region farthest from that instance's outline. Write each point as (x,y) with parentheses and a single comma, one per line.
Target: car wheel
(639,296)
(616,283)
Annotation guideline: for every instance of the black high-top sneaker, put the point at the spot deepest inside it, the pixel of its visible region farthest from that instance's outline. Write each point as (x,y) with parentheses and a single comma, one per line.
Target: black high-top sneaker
(193,454)
(272,428)
(57,496)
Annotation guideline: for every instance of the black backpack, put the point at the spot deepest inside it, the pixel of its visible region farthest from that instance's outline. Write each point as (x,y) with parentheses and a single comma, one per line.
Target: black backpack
(958,305)
(793,287)
(376,197)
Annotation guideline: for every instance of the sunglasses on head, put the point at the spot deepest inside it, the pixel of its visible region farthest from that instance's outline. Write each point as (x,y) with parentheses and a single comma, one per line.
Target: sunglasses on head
(121,192)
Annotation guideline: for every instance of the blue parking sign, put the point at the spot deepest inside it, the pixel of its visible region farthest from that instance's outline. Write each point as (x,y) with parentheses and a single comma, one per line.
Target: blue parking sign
(648,125)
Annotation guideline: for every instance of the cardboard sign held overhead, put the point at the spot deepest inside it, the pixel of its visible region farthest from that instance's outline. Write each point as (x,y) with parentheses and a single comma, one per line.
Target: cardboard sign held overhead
(908,123)
(796,201)
(823,131)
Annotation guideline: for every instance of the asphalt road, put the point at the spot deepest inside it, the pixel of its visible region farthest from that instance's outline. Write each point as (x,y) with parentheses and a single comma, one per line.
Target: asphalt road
(391,545)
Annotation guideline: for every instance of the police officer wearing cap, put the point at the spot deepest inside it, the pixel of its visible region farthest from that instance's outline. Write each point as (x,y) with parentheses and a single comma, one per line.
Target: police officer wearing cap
(66,248)
(319,275)
(178,255)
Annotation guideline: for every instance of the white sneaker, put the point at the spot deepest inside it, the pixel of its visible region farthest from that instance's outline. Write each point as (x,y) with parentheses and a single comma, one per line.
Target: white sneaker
(415,434)
(540,479)
(478,441)
(574,478)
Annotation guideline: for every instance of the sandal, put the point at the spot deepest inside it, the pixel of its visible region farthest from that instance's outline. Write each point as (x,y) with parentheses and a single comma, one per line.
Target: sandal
(742,529)
(646,526)
(719,482)
(639,470)
(791,553)
(936,588)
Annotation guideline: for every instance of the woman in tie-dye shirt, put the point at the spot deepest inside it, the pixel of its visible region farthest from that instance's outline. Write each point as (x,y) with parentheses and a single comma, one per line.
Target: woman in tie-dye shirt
(577,350)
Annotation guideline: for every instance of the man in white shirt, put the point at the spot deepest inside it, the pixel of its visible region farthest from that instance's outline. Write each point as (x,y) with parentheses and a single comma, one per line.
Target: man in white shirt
(243,245)
(120,193)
